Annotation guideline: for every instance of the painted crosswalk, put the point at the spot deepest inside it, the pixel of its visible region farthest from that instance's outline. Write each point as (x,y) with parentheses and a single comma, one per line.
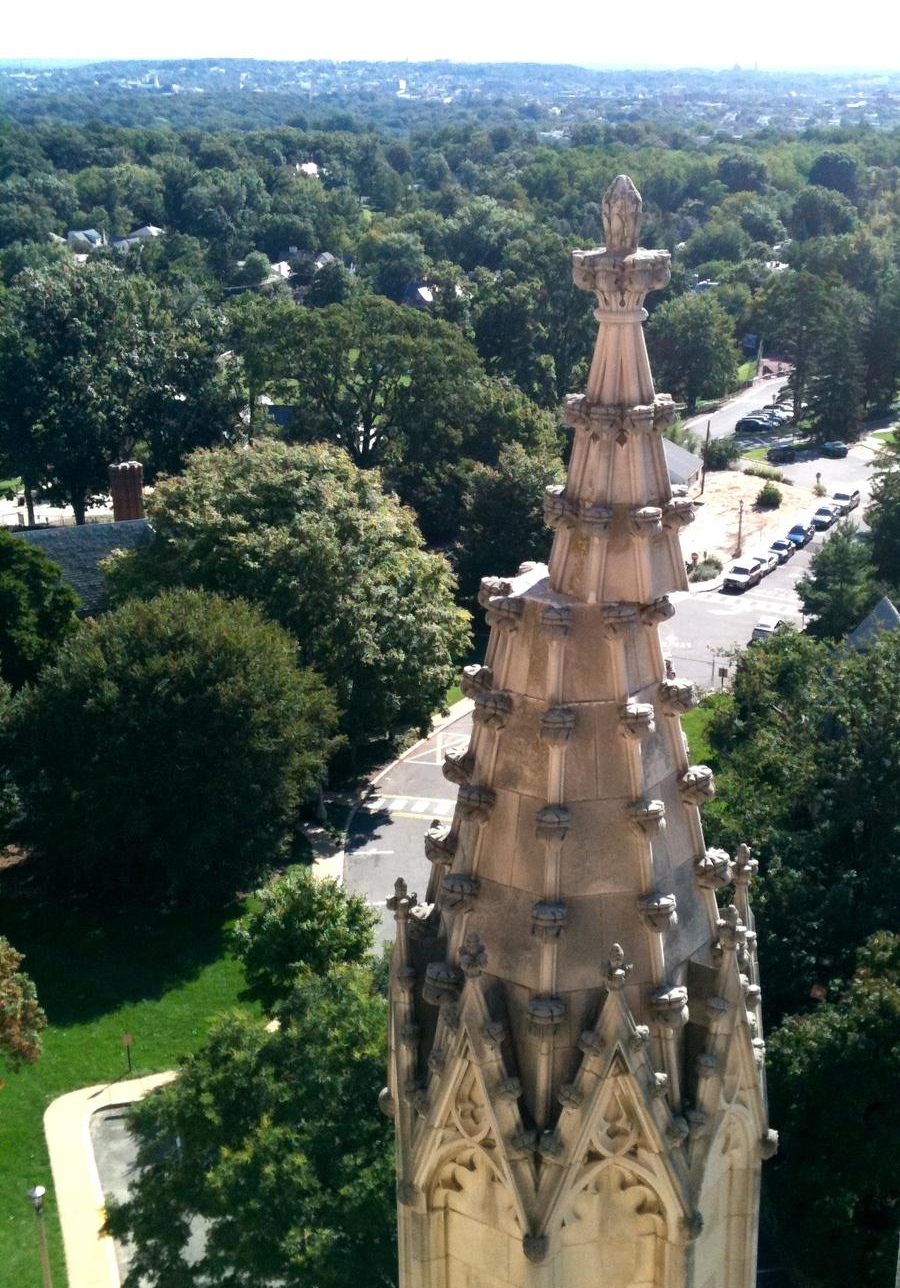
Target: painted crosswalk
(410,806)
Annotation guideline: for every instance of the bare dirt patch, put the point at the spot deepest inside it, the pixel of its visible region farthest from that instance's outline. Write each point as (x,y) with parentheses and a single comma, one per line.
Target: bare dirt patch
(715,528)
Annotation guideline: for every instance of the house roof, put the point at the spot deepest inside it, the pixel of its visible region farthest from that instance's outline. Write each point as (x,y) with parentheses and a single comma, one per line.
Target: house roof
(883,617)
(79,551)
(681,464)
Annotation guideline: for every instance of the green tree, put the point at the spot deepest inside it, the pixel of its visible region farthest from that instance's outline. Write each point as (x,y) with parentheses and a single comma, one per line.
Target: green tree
(316,544)
(839,589)
(883,512)
(300,922)
(391,261)
(837,1185)
(197,737)
(37,610)
(793,313)
(503,517)
(837,370)
(281,1152)
(22,1018)
(820,212)
(837,170)
(692,348)
(742,172)
(254,270)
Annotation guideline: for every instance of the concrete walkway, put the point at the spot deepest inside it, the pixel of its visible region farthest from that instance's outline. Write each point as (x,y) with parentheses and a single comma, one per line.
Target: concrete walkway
(90,1254)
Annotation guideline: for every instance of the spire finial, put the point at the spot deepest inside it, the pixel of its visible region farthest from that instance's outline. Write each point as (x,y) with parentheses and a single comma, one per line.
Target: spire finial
(622,216)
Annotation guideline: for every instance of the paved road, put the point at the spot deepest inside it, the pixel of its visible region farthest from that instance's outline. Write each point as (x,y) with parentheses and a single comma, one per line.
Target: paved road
(723,421)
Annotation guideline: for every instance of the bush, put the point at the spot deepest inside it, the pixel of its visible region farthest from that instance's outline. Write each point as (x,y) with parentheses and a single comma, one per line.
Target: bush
(37,610)
(706,569)
(300,923)
(768,497)
(760,471)
(720,453)
(164,752)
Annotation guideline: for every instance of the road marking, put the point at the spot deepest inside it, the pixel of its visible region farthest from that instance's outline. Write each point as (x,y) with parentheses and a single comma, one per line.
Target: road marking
(410,806)
(419,807)
(370,854)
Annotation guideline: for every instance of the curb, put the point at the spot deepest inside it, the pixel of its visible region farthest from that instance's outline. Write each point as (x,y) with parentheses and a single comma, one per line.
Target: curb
(90,1254)
(333,866)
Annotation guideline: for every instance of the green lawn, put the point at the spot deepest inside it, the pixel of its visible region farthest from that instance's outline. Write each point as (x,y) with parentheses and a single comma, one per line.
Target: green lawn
(747,370)
(890,437)
(696,724)
(162,979)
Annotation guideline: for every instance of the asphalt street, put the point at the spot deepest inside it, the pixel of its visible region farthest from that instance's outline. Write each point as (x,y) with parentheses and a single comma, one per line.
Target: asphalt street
(723,421)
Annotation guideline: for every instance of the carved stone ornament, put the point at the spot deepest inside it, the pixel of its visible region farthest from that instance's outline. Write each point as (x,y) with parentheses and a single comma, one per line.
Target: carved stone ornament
(492,588)
(677,697)
(596,520)
(713,870)
(510,1089)
(459,889)
(442,983)
(570,1096)
(622,216)
(386,1102)
(505,611)
(678,513)
(659,611)
(407,1193)
(692,1226)
(660,1085)
(550,1144)
(645,521)
(495,1034)
(400,901)
(637,719)
(440,843)
(436,1060)
(617,969)
(536,1247)
(475,802)
(590,1044)
(548,920)
(640,1037)
(659,912)
(677,1130)
(697,785)
(557,724)
(648,817)
(458,766)
(552,822)
(558,508)
(745,866)
(768,1144)
(707,1065)
(476,679)
(545,1015)
(556,621)
(669,1006)
(492,709)
(472,955)
(618,619)
(730,929)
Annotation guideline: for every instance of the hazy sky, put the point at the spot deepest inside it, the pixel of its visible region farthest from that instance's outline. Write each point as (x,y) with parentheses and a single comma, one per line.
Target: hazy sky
(709,33)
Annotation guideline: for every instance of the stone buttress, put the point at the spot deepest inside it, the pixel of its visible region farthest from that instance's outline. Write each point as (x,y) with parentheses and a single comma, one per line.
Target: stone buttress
(575,1052)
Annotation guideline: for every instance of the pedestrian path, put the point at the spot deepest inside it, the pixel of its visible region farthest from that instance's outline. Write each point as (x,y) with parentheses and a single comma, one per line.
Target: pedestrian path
(410,806)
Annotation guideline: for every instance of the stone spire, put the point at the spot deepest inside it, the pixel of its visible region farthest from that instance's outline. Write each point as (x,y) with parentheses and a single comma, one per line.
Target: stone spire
(576,1054)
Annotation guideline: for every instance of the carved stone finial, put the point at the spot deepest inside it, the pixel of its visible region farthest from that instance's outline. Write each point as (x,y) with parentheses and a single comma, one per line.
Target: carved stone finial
(622,216)
(617,969)
(401,901)
(472,955)
(536,1247)
(745,866)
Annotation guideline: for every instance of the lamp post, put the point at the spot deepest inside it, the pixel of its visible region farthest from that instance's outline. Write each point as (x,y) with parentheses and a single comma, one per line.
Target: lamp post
(36,1195)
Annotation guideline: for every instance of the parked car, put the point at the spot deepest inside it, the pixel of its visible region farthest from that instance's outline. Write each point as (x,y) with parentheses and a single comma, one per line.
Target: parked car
(743,574)
(835,449)
(754,425)
(783,548)
(766,560)
(845,501)
(801,533)
(779,415)
(766,627)
(825,516)
(784,455)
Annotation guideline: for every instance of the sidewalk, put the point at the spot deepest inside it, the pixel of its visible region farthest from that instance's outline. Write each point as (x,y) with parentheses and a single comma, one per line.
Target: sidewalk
(90,1254)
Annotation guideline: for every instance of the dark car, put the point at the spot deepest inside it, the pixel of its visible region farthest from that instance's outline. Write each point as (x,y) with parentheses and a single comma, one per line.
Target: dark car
(755,425)
(801,533)
(835,449)
(784,455)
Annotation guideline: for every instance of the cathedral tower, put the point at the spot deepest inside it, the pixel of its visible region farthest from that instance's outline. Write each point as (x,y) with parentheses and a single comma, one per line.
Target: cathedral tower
(576,1061)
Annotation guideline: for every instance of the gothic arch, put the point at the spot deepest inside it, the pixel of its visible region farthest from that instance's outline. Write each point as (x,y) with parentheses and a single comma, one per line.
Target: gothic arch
(614,1234)
(725,1251)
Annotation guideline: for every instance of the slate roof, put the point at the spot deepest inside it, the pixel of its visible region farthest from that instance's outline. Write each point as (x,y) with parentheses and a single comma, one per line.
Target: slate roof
(683,466)
(883,617)
(78,551)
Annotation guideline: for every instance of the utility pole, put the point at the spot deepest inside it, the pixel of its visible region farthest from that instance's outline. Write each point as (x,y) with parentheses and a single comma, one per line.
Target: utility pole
(705,459)
(740,528)
(36,1195)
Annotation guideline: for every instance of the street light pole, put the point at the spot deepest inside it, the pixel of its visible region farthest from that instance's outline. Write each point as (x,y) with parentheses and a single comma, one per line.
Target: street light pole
(37,1199)
(740,527)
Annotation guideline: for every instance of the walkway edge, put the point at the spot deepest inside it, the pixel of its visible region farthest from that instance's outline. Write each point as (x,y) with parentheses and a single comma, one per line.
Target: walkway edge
(90,1254)
(333,866)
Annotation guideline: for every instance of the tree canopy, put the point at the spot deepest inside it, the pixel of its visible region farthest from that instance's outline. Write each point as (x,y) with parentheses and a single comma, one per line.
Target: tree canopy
(319,547)
(165,751)
(692,348)
(37,610)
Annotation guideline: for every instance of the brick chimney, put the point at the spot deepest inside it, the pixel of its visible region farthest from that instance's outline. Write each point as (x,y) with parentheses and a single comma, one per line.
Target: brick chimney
(126,485)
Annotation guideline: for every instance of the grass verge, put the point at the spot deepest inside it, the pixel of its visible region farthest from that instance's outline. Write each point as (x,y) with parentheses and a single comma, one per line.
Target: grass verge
(163,979)
(696,727)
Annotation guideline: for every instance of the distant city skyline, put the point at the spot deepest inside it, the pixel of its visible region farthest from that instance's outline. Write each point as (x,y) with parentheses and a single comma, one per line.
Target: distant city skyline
(700,33)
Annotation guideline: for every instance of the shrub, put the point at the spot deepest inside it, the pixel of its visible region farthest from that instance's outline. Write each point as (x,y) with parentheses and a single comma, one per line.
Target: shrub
(706,569)
(300,923)
(760,471)
(37,610)
(164,752)
(768,497)
(720,453)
